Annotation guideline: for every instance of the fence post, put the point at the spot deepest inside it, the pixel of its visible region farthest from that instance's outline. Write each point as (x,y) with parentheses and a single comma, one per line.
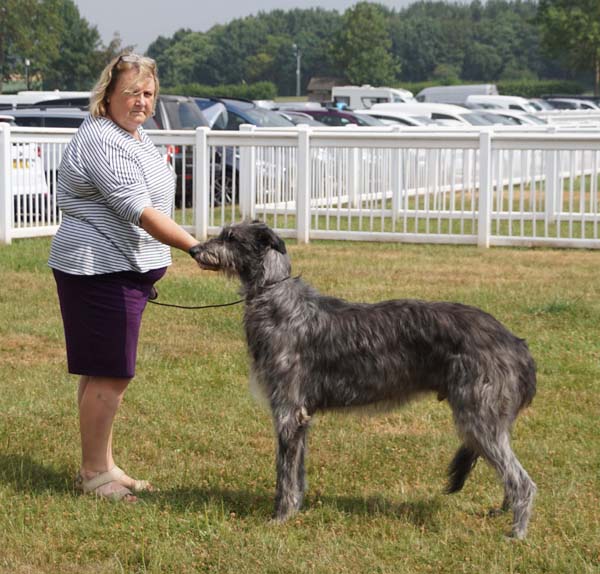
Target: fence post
(552,181)
(397,167)
(5,187)
(484,223)
(247,180)
(303,178)
(201,184)
(353,176)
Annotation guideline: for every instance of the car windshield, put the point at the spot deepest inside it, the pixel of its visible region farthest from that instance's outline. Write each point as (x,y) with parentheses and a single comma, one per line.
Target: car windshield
(184,115)
(535,119)
(424,120)
(499,118)
(266,118)
(365,120)
(476,119)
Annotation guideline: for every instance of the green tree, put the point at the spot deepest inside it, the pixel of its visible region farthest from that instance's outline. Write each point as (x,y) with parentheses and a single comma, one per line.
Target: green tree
(184,61)
(29,30)
(80,57)
(571,31)
(365,46)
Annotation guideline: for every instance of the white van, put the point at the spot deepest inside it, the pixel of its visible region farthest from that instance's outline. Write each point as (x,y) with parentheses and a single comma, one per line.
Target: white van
(363,97)
(504,102)
(455,94)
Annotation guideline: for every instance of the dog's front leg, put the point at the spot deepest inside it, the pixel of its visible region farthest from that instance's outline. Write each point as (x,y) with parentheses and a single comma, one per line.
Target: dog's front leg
(291,429)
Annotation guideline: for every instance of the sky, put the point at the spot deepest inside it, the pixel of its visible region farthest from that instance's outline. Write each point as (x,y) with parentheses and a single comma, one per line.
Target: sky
(140,22)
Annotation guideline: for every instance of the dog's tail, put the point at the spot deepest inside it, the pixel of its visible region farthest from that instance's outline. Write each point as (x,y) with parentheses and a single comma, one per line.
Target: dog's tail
(462,464)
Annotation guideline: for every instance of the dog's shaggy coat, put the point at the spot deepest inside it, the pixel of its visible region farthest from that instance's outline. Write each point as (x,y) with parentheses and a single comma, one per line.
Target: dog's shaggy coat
(312,352)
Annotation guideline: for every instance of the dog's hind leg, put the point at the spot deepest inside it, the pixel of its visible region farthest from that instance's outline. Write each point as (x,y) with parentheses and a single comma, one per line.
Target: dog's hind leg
(291,431)
(519,489)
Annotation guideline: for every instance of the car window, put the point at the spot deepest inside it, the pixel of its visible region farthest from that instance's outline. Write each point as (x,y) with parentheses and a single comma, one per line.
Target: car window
(438,116)
(476,119)
(368,101)
(184,115)
(330,120)
(234,121)
(266,118)
(150,124)
(391,121)
(506,120)
(342,100)
(535,119)
(63,122)
(29,122)
(365,120)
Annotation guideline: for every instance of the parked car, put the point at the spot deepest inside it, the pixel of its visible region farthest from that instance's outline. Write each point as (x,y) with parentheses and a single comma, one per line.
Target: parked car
(363,97)
(541,105)
(171,113)
(443,114)
(585,98)
(333,117)
(29,183)
(573,104)
(241,111)
(393,118)
(516,117)
(234,113)
(7,119)
(504,102)
(299,118)
(49,117)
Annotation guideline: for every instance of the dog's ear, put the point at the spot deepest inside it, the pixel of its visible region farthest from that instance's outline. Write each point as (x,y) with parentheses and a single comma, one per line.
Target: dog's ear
(272,240)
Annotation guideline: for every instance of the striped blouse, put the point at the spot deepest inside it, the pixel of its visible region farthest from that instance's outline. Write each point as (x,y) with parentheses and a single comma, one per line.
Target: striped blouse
(106,178)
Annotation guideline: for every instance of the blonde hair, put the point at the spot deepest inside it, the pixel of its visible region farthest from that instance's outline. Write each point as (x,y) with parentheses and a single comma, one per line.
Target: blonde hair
(146,68)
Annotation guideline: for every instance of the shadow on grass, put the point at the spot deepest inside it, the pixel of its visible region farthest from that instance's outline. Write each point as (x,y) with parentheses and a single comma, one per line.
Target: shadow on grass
(259,505)
(417,512)
(24,474)
(220,500)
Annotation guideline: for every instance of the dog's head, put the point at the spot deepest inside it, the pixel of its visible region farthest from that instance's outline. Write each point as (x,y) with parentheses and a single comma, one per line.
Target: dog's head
(251,251)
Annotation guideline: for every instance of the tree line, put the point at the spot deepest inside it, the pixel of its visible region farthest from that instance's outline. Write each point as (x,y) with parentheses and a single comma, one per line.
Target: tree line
(435,41)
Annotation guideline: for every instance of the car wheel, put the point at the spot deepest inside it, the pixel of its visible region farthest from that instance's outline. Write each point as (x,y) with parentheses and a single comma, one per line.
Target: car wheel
(223,189)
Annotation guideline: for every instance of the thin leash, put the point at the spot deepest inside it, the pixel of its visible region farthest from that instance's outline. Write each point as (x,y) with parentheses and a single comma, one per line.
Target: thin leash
(154,295)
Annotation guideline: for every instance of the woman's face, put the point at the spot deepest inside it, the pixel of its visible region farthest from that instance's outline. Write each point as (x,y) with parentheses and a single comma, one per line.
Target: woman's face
(131,102)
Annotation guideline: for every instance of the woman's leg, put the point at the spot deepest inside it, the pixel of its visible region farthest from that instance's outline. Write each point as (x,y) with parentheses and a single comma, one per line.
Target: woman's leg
(99,399)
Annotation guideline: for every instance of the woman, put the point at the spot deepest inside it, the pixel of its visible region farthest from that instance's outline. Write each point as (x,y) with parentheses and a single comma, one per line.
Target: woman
(115,191)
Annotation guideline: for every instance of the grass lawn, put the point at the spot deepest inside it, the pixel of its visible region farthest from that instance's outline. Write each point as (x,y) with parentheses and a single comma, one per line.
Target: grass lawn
(375,502)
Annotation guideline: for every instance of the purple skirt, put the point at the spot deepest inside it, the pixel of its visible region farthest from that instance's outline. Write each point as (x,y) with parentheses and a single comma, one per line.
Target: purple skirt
(101,318)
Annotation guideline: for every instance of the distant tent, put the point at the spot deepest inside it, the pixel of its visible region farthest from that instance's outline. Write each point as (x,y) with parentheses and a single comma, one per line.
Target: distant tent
(319,88)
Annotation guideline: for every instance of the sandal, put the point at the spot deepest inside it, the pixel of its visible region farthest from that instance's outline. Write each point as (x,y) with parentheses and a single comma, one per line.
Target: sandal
(94,486)
(138,485)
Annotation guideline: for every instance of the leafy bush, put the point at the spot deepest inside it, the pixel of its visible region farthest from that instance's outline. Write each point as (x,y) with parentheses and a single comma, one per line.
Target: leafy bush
(537,88)
(256,91)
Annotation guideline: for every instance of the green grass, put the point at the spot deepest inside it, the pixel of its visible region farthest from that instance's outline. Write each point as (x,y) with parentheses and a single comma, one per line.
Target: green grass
(375,502)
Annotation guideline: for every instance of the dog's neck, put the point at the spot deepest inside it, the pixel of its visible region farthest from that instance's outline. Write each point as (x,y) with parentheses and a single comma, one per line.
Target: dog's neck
(276,269)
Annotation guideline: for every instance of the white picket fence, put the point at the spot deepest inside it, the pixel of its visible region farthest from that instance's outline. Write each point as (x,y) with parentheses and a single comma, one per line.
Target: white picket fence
(537,186)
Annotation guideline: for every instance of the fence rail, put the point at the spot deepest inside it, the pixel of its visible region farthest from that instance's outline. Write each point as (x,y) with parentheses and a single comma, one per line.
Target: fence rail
(484,187)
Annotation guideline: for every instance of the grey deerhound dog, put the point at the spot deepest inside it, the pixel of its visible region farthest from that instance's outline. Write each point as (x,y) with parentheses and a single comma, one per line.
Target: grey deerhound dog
(311,352)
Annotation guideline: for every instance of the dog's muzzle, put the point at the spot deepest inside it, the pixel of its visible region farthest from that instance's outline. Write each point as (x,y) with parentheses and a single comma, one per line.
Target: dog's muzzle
(205,259)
